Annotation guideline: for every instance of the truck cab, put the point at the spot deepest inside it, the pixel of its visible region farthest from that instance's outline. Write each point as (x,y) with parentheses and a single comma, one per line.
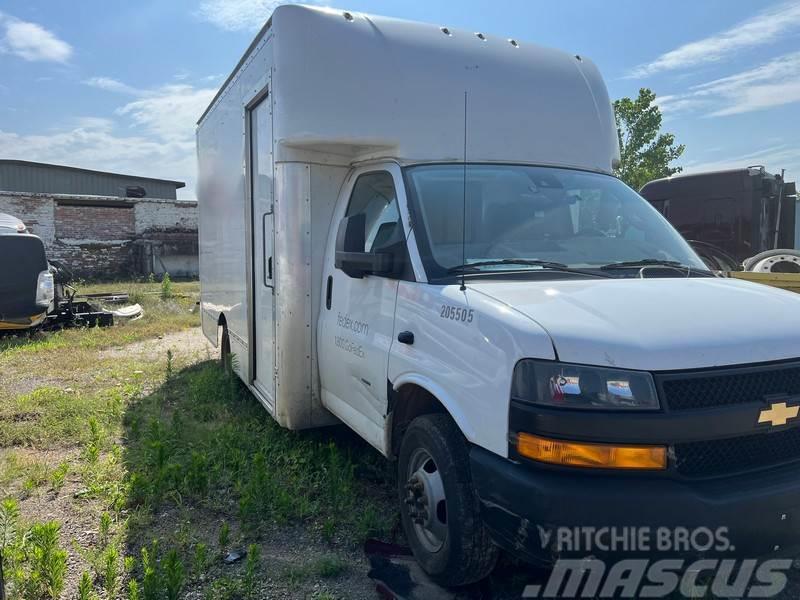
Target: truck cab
(427,244)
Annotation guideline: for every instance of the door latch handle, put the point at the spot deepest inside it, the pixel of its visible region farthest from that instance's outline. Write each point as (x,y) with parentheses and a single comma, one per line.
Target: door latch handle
(405,337)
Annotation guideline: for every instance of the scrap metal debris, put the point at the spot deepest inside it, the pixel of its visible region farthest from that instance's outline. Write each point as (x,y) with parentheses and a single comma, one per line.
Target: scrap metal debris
(398,576)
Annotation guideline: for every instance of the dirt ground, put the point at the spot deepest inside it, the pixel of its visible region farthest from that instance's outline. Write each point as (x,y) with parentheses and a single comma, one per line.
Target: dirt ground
(136,444)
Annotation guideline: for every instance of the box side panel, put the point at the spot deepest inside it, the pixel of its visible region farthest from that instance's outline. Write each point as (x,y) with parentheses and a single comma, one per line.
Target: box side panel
(293,294)
(222,193)
(305,195)
(221,201)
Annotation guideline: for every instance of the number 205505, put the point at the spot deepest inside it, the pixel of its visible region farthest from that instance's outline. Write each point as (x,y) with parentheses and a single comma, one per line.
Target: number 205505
(456,313)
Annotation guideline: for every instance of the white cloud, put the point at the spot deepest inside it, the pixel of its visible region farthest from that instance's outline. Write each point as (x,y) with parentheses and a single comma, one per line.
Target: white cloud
(240,15)
(761,29)
(160,142)
(112,85)
(31,41)
(170,112)
(774,83)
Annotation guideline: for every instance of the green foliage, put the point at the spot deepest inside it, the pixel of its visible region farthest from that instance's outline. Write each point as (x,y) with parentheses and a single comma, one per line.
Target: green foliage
(110,571)
(59,476)
(133,590)
(211,444)
(166,287)
(151,573)
(85,587)
(105,528)
(39,565)
(200,563)
(645,152)
(253,556)
(173,575)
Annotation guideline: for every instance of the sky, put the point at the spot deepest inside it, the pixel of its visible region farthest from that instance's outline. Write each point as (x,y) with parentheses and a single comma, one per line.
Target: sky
(118,86)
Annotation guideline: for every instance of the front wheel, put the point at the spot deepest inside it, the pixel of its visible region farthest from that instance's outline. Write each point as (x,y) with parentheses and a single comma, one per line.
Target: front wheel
(439,509)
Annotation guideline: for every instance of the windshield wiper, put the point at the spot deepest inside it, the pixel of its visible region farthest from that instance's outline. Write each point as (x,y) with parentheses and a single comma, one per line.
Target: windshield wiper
(543,264)
(653,262)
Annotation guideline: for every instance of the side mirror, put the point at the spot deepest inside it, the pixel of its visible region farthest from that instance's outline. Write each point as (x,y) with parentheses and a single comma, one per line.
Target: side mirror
(350,255)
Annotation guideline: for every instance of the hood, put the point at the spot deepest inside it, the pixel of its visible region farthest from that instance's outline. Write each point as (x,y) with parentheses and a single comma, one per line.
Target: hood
(658,324)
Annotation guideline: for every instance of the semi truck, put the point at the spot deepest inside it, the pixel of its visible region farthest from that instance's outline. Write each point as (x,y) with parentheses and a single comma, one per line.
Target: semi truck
(731,216)
(414,230)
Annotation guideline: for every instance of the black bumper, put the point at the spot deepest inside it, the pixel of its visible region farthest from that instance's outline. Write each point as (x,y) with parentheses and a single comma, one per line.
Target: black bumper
(523,504)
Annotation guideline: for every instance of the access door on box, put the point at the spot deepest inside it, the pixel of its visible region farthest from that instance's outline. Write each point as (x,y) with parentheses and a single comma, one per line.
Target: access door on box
(263,244)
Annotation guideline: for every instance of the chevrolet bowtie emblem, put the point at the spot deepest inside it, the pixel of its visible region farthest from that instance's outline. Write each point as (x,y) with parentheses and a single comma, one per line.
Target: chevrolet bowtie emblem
(778,414)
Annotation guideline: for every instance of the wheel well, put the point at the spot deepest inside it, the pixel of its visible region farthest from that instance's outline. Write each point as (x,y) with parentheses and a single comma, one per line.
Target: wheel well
(406,404)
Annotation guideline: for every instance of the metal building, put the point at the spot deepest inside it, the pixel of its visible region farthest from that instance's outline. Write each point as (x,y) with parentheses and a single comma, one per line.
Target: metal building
(43,178)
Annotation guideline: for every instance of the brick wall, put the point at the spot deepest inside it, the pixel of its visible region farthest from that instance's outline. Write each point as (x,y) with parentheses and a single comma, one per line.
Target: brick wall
(96,223)
(99,237)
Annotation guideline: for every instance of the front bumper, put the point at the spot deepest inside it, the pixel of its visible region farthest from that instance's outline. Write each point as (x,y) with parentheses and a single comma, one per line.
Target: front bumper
(532,511)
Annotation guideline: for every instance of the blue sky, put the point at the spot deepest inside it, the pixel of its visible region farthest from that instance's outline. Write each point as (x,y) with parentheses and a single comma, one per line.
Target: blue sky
(119,85)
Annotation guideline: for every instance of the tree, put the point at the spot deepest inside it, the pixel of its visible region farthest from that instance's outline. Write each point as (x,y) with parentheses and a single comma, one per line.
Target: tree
(645,152)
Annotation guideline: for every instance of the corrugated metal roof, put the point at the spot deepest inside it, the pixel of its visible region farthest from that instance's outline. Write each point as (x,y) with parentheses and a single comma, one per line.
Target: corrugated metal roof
(36,177)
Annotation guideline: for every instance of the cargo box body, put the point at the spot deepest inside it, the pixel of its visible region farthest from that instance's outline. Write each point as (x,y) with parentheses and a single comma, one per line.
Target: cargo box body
(318,93)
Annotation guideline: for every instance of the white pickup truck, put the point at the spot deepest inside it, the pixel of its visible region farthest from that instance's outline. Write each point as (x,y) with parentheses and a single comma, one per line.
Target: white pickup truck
(415,231)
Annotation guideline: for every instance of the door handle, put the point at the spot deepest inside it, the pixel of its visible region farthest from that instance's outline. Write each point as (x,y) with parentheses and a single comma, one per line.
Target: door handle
(405,337)
(329,292)
(269,268)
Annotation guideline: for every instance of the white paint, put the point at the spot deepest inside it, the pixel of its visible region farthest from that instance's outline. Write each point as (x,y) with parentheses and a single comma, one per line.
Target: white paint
(529,105)
(658,324)
(377,87)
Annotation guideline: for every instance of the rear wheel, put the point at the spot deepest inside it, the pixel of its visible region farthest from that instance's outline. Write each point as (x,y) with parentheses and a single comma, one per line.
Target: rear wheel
(225,350)
(439,509)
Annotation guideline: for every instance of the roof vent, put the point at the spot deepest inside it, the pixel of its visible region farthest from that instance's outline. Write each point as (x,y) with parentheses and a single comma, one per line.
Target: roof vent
(347,16)
(514,43)
(480,36)
(445,31)
(578,56)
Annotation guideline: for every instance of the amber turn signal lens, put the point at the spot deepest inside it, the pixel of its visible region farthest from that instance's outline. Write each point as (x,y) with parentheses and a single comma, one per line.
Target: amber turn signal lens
(598,456)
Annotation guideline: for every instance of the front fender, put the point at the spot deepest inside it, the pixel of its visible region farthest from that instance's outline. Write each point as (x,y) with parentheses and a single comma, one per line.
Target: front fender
(465,362)
(441,394)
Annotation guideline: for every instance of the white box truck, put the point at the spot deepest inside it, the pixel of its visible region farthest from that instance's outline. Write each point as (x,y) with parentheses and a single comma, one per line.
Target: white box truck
(415,231)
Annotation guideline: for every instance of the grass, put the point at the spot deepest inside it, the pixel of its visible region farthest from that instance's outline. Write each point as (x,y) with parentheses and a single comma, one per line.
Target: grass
(202,439)
(144,468)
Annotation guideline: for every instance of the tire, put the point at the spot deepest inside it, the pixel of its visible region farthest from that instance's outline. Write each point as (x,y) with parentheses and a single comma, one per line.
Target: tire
(225,358)
(752,263)
(450,541)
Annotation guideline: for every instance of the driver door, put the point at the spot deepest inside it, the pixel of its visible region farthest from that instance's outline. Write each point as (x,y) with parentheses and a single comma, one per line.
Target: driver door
(357,316)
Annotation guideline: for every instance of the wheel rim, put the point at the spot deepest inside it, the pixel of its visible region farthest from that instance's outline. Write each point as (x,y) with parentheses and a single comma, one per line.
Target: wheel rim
(425,500)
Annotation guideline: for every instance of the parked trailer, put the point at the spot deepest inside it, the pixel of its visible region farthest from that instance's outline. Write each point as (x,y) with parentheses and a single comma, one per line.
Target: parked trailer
(743,212)
(414,230)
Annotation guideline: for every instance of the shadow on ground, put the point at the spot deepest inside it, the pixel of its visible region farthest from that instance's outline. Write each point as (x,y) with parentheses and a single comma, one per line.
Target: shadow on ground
(212,476)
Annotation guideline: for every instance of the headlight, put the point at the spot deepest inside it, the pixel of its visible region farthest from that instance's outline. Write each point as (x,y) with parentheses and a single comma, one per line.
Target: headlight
(563,385)
(45,289)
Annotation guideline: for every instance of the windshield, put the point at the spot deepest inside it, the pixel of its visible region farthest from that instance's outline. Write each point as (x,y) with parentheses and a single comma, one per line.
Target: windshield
(579,219)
